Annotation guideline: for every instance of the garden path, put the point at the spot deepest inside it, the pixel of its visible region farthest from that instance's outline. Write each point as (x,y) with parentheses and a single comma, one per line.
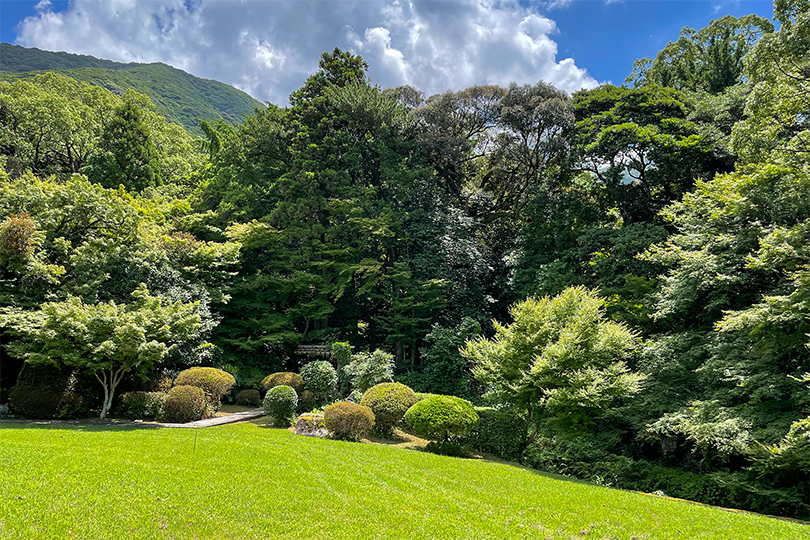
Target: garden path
(208,422)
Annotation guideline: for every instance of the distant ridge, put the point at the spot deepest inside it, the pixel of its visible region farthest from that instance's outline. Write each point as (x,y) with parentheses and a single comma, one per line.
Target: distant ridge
(177,95)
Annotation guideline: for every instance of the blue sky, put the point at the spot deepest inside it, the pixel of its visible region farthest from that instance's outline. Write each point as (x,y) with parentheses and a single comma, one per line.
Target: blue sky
(268,47)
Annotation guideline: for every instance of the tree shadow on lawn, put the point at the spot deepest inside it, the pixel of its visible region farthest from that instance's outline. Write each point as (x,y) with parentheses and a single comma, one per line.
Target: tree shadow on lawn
(78,425)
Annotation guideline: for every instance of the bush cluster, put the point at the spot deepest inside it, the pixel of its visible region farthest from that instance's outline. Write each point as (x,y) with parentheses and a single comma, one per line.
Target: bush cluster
(367,369)
(306,401)
(583,460)
(214,382)
(446,448)
(320,378)
(250,398)
(250,377)
(284,378)
(142,405)
(388,402)
(280,403)
(158,382)
(500,432)
(348,421)
(185,403)
(45,392)
(441,417)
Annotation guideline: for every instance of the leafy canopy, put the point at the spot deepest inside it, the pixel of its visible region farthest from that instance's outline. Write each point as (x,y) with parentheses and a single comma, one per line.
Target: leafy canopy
(560,354)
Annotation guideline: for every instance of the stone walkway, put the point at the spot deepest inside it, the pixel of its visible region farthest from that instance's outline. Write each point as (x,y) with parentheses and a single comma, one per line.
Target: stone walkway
(208,422)
(218,421)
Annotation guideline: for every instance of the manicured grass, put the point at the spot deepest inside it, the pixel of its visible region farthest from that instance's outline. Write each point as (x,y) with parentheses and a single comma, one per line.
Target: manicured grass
(244,481)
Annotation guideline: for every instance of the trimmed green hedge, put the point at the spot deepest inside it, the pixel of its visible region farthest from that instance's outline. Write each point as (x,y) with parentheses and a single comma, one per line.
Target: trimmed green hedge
(249,398)
(185,404)
(280,403)
(388,402)
(441,417)
(284,378)
(500,432)
(142,405)
(214,382)
(348,421)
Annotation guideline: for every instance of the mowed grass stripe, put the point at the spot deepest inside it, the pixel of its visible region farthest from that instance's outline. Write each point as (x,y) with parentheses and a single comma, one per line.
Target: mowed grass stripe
(244,481)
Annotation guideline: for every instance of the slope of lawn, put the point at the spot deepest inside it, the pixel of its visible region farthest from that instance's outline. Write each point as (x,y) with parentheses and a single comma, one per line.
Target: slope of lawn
(244,481)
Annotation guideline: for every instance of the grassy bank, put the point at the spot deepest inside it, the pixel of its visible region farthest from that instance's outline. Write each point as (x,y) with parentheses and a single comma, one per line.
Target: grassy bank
(244,481)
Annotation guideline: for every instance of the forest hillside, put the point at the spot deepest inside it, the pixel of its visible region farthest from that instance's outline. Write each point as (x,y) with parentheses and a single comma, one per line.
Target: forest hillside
(177,95)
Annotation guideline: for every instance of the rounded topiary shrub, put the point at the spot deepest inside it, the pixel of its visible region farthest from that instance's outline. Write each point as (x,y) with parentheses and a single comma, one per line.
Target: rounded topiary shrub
(251,398)
(441,417)
(141,405)
(388,402)
(214,382)
(348,421)
(320,378)
(280,403)
(285,378)
(185,404)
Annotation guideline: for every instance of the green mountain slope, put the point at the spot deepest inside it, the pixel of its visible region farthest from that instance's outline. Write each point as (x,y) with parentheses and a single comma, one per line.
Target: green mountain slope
(179,96)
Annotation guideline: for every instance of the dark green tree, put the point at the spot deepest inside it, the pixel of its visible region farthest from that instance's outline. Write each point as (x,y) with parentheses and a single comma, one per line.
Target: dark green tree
(128,154)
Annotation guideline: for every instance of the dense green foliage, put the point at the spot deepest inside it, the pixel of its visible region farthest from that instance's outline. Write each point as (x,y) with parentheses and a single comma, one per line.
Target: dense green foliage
(106,340)
(560,354)
(709,59)
(142,405)
(388,402)
(185,404)
(249,397)
(52,124)
(280,403)
(293,380)
(643,251)
(501,432)
(441,417)
(320,378)
(363,491)
(179,96)
(348,421)
(368,369)
(41,392)
(214,382)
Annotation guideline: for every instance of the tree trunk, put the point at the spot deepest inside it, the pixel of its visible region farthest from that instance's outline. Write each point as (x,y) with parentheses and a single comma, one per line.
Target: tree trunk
(109,381)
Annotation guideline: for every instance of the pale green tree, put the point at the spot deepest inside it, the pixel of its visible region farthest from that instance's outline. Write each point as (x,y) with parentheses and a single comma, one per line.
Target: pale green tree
(560,354)
(105,340)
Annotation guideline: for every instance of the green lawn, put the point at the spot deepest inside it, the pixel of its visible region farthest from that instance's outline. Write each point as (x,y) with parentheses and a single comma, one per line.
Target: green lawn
(244,481)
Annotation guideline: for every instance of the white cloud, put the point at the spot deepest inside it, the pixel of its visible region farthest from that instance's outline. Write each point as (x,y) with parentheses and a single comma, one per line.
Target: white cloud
(269,48)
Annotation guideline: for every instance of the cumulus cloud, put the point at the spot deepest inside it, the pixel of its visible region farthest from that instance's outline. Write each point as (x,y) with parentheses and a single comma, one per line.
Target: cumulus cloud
(269,48)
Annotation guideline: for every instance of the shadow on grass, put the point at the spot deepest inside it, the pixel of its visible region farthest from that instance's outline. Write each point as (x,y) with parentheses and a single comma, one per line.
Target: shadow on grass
(78,426)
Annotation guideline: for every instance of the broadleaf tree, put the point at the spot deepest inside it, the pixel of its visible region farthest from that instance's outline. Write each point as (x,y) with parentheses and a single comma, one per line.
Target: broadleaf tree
(105,340)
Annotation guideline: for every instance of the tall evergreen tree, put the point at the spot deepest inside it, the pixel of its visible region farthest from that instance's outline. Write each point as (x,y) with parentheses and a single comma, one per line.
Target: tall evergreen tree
(129,156)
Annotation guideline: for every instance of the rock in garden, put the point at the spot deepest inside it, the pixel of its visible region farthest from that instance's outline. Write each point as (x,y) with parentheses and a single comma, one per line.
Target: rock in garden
(311,425)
